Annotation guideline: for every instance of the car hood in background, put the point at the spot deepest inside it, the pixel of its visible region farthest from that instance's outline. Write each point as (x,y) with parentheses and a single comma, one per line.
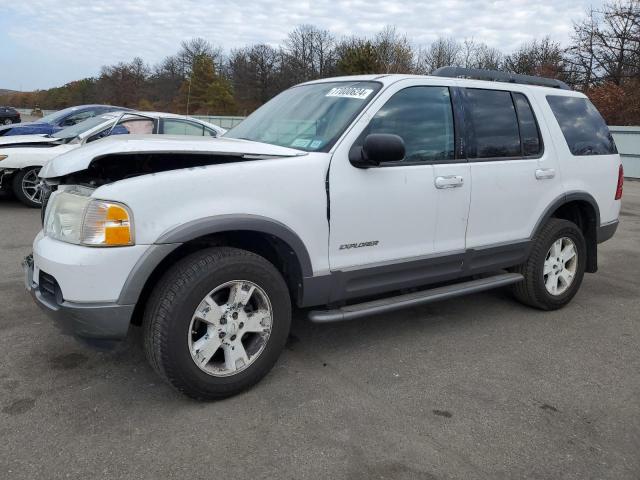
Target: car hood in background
(29,128)
(80,159)
(17,140)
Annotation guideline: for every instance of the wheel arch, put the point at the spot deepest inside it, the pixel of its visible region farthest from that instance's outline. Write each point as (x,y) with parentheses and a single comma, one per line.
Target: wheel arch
(582,209)
(266,237)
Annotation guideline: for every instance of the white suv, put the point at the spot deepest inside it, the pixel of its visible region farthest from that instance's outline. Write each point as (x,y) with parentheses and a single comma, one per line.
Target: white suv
(355,196)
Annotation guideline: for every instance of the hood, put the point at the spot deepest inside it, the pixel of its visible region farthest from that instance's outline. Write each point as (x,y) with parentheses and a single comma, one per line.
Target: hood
(80,159)
(29,128)
(17,140)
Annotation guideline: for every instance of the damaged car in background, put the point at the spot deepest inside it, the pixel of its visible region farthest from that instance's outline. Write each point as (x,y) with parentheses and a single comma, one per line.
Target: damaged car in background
(58,120)
(22,157)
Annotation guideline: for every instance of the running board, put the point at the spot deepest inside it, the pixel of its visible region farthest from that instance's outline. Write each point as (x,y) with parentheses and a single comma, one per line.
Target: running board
(391,304)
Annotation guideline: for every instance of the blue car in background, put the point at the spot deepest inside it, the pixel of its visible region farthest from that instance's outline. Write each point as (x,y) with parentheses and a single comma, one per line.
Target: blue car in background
(58,120)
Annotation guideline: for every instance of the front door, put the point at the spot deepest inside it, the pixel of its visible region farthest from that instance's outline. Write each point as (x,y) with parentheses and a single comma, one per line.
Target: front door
(384,221)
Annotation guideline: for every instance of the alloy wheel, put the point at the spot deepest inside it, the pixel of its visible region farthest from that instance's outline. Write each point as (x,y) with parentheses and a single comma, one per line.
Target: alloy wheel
(230,328)
(31,186)
(560,266)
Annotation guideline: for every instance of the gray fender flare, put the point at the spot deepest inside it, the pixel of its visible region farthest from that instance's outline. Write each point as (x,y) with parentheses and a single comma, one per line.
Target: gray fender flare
(179,235)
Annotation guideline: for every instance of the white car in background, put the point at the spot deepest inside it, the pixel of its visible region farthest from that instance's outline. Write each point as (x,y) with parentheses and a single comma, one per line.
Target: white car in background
(22,156)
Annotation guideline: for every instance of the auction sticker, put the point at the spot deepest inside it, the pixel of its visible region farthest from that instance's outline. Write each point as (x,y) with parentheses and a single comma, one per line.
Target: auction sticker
(301,143)
(350,92)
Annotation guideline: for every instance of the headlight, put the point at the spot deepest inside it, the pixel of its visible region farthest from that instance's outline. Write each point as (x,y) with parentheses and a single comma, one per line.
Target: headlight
(76,218)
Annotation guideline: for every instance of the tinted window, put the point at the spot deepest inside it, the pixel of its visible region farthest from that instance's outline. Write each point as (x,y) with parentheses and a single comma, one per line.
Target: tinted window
(529,133)
(493,121)
(179,127)
(582,125)
(423,117)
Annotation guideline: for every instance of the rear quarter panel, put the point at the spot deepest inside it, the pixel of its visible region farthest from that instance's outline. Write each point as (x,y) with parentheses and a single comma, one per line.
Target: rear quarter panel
(596,175)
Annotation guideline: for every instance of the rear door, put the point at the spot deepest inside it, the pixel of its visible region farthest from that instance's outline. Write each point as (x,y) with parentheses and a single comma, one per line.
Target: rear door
(514,176)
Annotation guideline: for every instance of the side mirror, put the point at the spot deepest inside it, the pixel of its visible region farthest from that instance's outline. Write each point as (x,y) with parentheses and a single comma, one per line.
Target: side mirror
(377,148)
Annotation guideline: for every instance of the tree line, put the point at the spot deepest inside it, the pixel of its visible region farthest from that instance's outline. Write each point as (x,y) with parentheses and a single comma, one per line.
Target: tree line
(602,59)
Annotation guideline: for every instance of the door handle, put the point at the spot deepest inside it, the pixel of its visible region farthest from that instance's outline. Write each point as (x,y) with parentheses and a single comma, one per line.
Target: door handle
(545,173)
(449,181)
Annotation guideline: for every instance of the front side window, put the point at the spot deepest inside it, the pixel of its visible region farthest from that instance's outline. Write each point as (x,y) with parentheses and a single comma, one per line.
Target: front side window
(583,127)
(307,117)
(180,127)
(423,118)
(494,124)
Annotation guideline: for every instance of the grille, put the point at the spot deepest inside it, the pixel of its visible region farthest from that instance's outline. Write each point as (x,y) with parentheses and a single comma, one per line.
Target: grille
(48,285)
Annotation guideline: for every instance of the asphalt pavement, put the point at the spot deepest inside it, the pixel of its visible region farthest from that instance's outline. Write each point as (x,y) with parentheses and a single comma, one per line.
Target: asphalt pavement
(478,387)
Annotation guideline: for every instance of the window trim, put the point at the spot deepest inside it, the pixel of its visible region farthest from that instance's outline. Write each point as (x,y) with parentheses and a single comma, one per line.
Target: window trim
(457,137)
(469,133)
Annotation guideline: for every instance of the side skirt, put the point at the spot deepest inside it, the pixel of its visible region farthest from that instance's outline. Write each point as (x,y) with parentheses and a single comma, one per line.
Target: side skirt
(344,285)
(386,305)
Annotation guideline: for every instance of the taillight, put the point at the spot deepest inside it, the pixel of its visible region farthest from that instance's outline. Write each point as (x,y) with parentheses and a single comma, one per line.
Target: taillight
(620,182)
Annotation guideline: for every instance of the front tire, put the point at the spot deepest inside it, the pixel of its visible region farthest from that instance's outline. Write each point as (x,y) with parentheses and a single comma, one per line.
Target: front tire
(555,268)
(26,187)
(217,322)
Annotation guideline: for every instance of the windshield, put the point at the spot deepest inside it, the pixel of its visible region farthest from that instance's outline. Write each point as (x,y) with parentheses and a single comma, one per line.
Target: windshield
(79,128)
(55,116)
(308,117)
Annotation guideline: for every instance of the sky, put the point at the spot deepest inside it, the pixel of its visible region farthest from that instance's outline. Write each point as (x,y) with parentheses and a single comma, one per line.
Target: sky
(47,43)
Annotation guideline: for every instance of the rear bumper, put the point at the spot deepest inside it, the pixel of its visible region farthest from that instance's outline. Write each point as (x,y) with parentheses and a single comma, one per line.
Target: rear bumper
(606,231)
(92,322)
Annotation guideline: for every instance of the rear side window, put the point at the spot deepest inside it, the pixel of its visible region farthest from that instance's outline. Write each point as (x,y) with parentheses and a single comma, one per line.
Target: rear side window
(494,124)
(529,132)
(178,127)
(582,125)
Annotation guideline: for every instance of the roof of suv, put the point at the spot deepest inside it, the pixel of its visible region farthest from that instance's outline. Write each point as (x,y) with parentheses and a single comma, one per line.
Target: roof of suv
(389,79)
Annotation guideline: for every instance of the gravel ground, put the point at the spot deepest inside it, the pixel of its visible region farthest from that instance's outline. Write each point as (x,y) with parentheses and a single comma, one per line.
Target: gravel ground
(475,388)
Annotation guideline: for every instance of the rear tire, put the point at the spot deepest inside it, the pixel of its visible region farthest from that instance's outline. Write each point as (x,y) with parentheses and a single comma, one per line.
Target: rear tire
(551,277)
(26,187)
(195,288)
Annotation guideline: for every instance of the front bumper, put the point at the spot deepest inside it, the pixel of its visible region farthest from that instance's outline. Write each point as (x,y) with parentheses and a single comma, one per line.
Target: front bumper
(93,322)
(5,177)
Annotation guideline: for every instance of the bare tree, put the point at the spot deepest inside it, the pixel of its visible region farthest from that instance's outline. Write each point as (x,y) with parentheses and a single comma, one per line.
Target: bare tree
(479,55)
(195,48)
(394,53)
(543,58)
(617,41)
(443,52)
(580,56)
(254,72)
(309,53)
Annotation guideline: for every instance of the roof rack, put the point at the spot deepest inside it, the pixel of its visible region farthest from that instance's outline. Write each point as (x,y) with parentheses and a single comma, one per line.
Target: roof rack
(496,76)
